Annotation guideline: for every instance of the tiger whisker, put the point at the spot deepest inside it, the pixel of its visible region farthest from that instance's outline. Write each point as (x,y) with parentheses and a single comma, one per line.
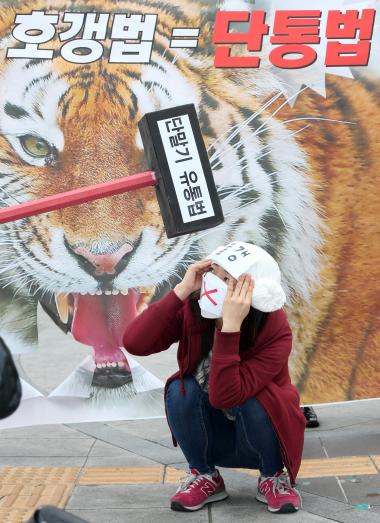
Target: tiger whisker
(240,207)
(279,109)
(9,195)
(246,157)
(11,280)
(281,218)
(271,150)
(20,289)
(245,141)
(12,266)
(218,154)
(317,118)
(243,189)
(241,142)
(243,124)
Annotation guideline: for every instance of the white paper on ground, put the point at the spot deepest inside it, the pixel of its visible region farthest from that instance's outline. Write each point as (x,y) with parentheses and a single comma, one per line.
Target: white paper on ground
(78,383)
(49,411)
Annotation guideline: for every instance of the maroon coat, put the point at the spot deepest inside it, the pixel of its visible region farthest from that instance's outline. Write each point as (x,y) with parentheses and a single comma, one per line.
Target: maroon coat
(261,371)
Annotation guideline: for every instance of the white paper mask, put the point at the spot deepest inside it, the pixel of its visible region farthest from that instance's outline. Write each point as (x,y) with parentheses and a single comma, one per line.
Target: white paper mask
(213,293)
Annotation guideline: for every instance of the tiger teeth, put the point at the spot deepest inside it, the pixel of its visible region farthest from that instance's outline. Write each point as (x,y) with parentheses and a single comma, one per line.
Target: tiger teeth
(108,292)
(62,304)
(109,364)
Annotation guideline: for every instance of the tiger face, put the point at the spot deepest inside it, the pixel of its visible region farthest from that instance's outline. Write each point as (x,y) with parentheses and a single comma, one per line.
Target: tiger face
(67,125)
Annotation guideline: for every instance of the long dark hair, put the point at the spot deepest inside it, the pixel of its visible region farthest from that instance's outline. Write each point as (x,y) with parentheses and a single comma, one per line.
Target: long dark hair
(250,328)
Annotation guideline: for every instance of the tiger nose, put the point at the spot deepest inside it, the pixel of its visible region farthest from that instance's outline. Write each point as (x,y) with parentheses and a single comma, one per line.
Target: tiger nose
(103,264)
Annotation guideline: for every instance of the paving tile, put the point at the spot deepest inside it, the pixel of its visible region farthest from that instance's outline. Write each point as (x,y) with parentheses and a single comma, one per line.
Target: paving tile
(122,475)
(156,452)
(362,441)
(106,450)
(352,515)
(325,487)
(312,448)
(336,510)
(376,459)
(174,474)
(223,513)
(143,428)
(23,497)
(155,430)
(363,490)
(42,432)
(46,447)
(339,419)
(42,461)
(239,481)
(38,475)
(327,467)
(23,489)
(141,515)
(345,414)
(131,496)
(14,515)
(116,456)
(122,458)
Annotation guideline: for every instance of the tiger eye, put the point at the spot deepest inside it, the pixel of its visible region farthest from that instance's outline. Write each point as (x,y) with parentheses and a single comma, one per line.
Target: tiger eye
(35,146)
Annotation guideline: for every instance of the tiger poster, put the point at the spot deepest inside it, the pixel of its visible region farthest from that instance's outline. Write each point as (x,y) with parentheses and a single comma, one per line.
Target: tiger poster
(288,101)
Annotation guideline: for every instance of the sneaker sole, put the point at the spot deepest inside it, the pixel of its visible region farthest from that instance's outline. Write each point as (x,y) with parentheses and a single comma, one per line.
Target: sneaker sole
(175,505)
(286,508)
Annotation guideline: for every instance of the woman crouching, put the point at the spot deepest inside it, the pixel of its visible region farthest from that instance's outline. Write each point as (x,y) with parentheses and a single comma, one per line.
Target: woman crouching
(231,403)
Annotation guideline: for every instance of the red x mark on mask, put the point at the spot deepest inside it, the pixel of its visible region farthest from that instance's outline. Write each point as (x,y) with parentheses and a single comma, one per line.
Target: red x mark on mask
(207,293)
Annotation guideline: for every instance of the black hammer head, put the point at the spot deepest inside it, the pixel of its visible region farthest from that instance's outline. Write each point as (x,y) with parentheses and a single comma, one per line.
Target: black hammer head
(186,190)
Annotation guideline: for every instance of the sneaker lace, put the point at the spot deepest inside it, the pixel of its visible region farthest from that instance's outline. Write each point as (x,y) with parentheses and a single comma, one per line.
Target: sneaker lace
(187,481)
(281,484)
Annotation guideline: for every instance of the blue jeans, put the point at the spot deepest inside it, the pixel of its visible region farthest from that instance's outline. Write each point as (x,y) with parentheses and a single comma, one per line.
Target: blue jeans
(207,438)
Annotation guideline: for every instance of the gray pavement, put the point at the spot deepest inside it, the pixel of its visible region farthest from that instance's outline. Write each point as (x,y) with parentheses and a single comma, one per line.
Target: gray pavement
(347,430)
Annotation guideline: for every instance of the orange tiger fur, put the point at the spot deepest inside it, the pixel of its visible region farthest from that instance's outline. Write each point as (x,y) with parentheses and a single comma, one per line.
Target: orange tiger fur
(342,354)
(338,330)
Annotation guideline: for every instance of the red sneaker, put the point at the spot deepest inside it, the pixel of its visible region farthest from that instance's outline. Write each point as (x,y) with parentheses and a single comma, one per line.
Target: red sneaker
(198,489)
(277,492)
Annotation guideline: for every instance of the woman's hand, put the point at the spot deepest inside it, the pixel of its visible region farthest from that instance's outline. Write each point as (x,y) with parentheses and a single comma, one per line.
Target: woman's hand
(192,281)
(237,303)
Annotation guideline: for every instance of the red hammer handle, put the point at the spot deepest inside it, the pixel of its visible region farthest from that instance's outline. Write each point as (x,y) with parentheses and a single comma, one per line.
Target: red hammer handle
(77,196)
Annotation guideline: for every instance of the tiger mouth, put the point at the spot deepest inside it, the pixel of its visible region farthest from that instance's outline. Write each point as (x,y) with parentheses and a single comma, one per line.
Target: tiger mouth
(99,319)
